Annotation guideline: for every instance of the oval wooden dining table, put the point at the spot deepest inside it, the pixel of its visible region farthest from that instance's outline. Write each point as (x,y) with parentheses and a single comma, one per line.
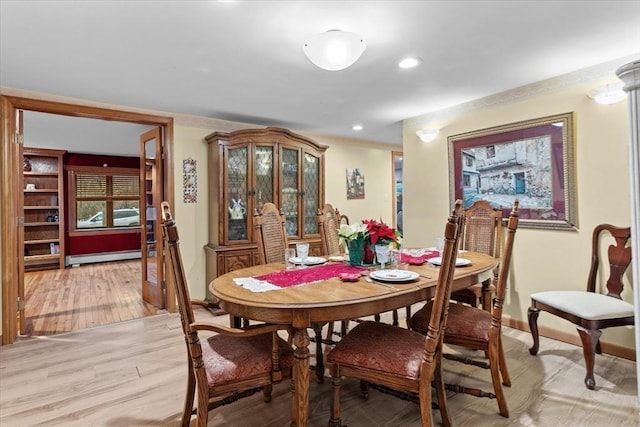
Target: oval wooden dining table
(332,300)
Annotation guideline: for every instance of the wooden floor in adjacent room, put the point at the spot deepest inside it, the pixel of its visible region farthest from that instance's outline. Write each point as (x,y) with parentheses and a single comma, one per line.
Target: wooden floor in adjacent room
(90,295)
(134,374)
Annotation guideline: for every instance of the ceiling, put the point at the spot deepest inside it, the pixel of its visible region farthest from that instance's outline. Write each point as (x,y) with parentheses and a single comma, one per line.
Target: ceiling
(243,61)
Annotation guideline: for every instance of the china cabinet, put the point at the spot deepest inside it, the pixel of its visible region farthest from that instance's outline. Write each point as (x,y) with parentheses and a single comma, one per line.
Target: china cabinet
(43,203)
(248,168)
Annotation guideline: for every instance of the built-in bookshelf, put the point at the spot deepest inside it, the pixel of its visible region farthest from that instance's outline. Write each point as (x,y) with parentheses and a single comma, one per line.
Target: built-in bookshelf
(43,204)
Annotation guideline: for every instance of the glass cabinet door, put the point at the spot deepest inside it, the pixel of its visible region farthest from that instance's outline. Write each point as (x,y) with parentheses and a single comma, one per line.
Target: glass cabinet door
(311,193)
(238,214)
(290,189)
(264,176)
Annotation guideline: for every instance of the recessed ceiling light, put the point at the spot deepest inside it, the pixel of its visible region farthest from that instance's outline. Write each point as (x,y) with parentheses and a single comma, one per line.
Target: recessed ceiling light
(410,62)
(357,127)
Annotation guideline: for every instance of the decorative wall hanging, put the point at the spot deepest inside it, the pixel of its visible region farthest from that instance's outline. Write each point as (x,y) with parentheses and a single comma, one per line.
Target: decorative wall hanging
(355,184)
(531,160)
(190,180)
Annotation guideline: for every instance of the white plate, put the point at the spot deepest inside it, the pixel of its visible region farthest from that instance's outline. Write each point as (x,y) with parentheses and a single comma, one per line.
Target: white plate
(460,262)
(394,275)
(310,260)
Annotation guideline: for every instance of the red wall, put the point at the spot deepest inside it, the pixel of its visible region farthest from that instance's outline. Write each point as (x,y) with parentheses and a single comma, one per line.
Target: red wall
(97,242)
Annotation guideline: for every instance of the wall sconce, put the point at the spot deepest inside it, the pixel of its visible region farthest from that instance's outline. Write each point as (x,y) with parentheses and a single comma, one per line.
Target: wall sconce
(608,94)
(334,50)
(427,135)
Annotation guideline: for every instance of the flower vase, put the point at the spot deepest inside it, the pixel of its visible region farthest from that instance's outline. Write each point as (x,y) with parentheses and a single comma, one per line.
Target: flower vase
(369,256)
(356,251)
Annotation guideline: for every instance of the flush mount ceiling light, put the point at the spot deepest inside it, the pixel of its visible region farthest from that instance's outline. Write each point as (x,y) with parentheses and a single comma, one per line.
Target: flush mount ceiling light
(427,135)
(608,94)
(334,50)
(410,62)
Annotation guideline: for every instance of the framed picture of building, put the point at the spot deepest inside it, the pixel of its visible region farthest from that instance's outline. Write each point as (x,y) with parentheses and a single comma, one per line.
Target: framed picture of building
(533,161)
(355,184)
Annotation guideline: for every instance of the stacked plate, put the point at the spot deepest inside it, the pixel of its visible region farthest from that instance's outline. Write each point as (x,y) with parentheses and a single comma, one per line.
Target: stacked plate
(460,262)
(394,275)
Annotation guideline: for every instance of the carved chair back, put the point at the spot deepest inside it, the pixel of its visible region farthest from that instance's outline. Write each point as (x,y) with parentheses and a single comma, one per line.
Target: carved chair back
(619,258)
(328,224)
(271,231)
(483,229)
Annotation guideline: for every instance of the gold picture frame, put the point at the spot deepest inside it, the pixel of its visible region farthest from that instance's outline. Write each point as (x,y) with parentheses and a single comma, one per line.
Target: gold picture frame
(532,160)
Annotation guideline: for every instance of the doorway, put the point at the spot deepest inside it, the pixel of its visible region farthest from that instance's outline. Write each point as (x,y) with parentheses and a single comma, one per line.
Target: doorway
(397,187)
(10,213)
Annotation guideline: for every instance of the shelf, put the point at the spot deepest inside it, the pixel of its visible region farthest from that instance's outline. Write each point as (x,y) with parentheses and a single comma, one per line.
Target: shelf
(42,190)
(40,224)
(41,207)
(39,242)
(54,174)
(33,259)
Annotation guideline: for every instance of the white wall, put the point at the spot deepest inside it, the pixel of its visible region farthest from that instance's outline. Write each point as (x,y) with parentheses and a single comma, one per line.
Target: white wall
(542,259)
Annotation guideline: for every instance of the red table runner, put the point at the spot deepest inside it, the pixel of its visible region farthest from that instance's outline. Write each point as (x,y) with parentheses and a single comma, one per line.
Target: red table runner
(287,278)
(418,257)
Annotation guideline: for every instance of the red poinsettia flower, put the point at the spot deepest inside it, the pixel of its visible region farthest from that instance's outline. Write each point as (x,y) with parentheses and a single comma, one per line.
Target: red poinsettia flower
(379,231)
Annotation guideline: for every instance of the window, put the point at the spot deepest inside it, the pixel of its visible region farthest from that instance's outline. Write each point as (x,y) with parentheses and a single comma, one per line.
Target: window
(104,198)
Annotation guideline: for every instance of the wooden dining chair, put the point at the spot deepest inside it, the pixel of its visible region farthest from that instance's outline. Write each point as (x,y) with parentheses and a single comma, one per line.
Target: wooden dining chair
(328,225)
(271,233)
(397,359)
(482,233)
(329,221)
(229,364)
(270,224)
(478,329)
(591,310)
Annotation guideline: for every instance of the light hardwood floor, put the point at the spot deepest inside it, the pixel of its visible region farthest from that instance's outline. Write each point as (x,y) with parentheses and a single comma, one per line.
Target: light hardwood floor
(71,299)
(133,374)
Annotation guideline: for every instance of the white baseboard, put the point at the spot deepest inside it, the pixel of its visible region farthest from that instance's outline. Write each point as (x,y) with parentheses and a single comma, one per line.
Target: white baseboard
(102,257)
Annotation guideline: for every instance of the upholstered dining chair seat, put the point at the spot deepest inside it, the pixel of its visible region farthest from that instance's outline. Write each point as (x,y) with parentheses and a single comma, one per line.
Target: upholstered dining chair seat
(380,347)
(229,358)
(463,322)
(587,305)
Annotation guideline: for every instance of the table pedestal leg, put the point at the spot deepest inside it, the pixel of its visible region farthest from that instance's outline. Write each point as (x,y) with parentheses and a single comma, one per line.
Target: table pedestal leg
(300,405)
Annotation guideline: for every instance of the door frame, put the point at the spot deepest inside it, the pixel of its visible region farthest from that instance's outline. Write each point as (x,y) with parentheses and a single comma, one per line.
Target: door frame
(11,166)
(396,156)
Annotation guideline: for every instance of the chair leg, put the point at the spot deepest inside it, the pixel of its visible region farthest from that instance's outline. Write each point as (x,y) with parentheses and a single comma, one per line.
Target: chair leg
(426,411)
(294,408)
(486,298)
(334,420)
(590,339)
(533,325)
(329,336)
(494,365)
(317,328)
(203,408)
(395,321)
(266,393)
(364,389)
(188,401)
(438,383)
(344,328)
(506,380)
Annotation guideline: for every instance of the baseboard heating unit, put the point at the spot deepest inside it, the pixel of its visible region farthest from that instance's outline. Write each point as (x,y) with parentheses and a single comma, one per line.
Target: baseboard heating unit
(74,260)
